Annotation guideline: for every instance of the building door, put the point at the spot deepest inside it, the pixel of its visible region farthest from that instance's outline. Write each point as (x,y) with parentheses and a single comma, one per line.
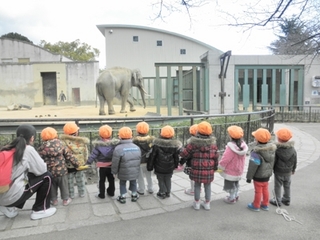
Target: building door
(49,88)
(76,96)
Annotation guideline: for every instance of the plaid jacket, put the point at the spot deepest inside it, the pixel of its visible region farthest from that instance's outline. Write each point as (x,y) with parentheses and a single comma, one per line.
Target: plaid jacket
(202,152)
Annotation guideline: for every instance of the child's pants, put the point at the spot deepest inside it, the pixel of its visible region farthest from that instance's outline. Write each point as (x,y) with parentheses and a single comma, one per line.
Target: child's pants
(132,186)
(62,184)
(280,181)
(144,173)
(164,181)
(261,194)
(105,172)
(207,191)
(78,175)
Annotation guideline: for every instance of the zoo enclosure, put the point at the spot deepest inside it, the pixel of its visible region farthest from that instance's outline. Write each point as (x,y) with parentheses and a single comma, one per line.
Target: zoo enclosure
(220,122)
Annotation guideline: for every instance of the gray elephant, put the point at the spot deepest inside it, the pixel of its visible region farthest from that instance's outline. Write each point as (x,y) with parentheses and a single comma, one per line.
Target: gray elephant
(118,81)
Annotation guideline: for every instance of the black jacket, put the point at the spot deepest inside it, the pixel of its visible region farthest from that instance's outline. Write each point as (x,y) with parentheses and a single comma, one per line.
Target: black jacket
(145,144)
(165,155)
(286,158)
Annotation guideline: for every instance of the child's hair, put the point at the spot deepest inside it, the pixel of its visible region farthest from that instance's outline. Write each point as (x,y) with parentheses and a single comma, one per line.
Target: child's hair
(238,143)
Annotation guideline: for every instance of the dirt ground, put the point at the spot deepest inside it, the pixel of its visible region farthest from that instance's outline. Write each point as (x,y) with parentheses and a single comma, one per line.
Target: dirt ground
(77,111)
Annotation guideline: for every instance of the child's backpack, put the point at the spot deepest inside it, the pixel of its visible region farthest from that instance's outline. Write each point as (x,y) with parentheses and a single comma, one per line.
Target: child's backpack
(6,162)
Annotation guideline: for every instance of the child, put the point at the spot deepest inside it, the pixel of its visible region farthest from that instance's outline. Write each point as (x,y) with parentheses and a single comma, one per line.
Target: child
(193,132)
(232,163)
(102,153)
(260,169)
(164,159)
(126,164)
(284,166)
(56,156)
(144,141)
(79,148)
(203,152)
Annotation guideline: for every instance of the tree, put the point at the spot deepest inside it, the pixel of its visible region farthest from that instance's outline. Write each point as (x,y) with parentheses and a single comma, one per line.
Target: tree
(295,39)
(16,36)
(257,14)
(75,50)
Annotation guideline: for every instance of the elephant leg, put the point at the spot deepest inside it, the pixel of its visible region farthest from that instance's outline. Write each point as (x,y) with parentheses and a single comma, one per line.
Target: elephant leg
(123,103)
(101,110)
(132,109)
(110,107)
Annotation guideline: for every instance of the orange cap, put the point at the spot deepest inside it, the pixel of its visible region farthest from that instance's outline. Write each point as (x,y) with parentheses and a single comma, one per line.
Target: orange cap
(48,133)
(142,127)
(193,129)
(70,128)
(235,132)
(262,135)
(284,134)
(105,131)
(167,132)
(125,133)
(204,128)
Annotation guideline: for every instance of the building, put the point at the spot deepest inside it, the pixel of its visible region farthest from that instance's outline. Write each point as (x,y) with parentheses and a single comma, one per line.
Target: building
(32,76)
(190,74)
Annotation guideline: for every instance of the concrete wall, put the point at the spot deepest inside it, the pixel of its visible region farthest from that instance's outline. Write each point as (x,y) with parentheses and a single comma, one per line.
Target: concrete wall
(122,51)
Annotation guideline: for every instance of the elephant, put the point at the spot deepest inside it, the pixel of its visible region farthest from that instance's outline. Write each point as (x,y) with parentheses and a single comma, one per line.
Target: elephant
(115,82)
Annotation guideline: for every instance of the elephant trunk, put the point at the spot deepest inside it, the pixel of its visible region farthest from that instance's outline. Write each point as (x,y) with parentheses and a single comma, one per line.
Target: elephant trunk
(143,92)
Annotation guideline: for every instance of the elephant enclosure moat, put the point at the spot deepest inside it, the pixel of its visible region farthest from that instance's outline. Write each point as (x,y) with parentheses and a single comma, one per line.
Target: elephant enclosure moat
(78,111)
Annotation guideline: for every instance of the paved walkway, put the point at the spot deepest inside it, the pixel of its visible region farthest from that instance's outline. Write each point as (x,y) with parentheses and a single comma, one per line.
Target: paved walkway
(91,211)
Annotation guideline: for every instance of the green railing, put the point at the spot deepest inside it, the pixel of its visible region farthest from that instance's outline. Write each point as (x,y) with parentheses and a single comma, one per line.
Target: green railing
(249,121)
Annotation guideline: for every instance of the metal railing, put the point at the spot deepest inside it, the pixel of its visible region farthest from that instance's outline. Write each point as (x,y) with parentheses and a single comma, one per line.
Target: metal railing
(249,121)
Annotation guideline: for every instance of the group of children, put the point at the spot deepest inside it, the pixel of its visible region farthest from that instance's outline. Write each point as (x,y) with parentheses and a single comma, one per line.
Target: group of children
(133,158)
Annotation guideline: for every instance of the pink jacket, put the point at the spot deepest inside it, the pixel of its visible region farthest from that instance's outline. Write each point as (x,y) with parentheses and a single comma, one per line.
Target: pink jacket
(233,161)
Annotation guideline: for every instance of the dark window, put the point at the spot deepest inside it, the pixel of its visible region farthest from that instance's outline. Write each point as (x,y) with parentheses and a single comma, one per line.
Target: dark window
(159,43)
(135,38)
(182,51)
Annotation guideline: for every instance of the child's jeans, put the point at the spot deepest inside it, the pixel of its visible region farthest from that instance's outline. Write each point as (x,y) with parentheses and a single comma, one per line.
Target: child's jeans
(132,186)
(207,191)
(261,194)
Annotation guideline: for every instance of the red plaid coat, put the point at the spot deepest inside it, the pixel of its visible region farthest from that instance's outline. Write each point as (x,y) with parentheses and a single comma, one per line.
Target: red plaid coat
(203,154)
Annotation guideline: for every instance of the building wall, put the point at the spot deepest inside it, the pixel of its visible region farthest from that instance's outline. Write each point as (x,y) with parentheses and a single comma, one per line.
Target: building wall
(22,83)
(122,51)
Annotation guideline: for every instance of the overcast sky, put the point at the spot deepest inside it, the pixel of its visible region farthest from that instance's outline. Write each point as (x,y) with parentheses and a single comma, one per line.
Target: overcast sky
(68,20)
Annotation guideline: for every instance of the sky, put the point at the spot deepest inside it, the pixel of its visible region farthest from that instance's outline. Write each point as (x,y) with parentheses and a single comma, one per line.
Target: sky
(69,20)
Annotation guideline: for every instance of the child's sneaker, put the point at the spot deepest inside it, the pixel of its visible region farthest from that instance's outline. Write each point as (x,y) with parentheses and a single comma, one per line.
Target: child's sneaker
(134,198)
(67,202)
(54,202)
(252,208)
(81,195)
(161,195)
(274,202)
(10,212)
(189,192)
(229,201)
(196,205)
(121,199)
(285,202)
(205,205)
(264,207)
(97,195)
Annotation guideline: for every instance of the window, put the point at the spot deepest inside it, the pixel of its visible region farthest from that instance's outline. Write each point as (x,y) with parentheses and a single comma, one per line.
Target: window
(6,60)
(182,51)
(159,43)
(135,38)
(23,60)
